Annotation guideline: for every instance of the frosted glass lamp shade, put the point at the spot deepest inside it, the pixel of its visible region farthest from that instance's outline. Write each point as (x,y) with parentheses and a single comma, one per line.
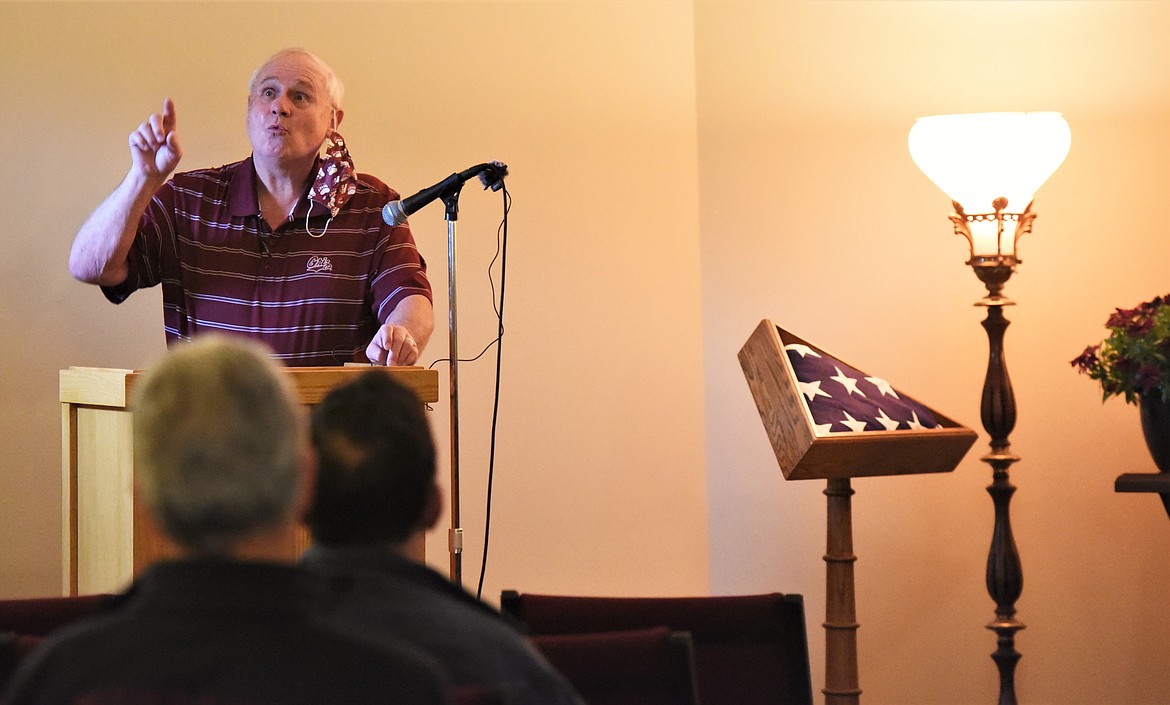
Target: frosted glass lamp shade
(980,157)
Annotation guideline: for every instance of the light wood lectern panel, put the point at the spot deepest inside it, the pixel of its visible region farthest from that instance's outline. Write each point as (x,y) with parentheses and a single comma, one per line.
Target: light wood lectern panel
(105,542)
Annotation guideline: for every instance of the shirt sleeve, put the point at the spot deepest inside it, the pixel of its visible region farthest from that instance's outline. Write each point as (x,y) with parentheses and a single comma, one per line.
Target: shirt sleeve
(145,259)
(400,272)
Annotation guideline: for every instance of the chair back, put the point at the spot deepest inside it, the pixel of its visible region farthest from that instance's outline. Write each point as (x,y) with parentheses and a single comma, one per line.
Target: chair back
(24,623)
(748,649)
(636,667)
(37,616)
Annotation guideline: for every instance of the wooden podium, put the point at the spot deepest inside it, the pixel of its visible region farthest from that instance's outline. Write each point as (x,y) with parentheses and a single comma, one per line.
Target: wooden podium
(104,541)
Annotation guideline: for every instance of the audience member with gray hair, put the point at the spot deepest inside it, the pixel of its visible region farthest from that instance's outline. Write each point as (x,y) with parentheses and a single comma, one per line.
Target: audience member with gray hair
(220,444)
(223,467)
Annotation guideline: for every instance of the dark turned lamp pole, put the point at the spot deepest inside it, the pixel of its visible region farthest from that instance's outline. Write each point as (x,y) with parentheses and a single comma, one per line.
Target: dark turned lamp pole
(997,159)
(997,410)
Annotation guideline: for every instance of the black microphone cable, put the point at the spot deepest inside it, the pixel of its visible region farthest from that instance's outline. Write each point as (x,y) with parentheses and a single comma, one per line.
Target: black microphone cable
(502,252)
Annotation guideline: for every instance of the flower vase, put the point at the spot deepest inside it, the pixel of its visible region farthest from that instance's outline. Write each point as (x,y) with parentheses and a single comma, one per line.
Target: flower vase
(1156,429)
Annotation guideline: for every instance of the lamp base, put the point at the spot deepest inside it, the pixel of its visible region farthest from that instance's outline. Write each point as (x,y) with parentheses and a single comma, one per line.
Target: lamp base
(994,271)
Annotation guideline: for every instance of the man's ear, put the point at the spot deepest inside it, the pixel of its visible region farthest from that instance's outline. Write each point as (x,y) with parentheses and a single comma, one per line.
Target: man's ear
(338,114)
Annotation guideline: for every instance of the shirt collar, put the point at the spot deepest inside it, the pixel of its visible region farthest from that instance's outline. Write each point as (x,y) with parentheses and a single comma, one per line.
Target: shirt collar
(243,201)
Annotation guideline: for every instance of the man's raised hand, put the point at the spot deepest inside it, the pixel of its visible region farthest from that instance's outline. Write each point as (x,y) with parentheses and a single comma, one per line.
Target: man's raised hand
(154,146)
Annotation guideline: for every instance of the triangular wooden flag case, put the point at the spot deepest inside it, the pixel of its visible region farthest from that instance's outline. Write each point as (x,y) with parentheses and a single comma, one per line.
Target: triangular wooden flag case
(803,453)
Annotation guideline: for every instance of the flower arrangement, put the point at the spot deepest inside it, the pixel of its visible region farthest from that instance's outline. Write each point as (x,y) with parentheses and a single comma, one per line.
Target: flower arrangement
(1135,359)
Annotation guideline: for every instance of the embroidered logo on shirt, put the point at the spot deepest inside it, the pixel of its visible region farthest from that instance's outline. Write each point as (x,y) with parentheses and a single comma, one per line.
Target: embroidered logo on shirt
(319,263)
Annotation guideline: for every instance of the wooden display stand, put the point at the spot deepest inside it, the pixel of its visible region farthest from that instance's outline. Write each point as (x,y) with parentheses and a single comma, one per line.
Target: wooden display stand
(837,457)
(105,542)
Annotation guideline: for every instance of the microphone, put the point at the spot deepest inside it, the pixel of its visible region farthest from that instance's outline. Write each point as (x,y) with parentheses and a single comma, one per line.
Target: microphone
(491,174)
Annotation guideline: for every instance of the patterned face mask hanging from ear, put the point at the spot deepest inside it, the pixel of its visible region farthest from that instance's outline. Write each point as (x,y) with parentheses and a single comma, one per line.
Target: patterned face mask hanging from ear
(336,179)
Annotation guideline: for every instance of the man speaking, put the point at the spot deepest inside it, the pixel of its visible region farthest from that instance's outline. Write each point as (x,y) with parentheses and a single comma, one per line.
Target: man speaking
(286,246)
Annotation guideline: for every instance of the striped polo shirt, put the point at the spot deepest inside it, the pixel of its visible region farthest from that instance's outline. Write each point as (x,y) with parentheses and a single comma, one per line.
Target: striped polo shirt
(315,299)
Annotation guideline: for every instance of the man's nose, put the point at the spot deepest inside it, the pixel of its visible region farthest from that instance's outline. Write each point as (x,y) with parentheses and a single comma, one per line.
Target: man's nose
(281,107)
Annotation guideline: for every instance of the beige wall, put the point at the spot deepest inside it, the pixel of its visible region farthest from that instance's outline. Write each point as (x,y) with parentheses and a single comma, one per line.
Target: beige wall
(814,215)
(680,171)
(600,479)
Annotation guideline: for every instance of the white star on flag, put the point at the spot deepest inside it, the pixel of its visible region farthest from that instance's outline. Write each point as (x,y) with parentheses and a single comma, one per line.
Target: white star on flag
(802,350)
(847,382)
(883,386)
(855,401)
(888,423)
(813,390)
(852,423)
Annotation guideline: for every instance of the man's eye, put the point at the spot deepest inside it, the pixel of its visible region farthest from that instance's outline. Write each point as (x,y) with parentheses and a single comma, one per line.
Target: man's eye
(267,92)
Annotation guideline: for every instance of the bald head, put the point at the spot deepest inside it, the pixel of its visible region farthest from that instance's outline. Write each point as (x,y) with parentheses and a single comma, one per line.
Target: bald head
(330,83)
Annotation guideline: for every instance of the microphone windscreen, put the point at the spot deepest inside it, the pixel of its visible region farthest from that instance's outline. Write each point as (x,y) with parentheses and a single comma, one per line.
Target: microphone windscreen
(393,213)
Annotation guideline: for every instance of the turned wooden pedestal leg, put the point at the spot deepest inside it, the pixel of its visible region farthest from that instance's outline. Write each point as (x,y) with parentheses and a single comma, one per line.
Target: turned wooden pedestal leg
(841,687)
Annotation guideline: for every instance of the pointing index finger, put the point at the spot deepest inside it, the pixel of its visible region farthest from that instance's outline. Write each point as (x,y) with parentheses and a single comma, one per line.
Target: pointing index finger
(168,115)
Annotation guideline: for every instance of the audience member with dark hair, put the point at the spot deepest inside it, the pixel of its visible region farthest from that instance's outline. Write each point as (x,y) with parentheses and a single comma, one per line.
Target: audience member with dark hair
(224,468)
(377,495)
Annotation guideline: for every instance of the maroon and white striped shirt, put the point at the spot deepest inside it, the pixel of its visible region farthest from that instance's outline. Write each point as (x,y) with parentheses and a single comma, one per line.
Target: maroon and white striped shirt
(314,299)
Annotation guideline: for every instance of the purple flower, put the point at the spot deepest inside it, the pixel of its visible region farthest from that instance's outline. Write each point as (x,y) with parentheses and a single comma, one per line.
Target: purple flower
(1087,360)
(1119,318)
(1135,358)
(1133,322)
(1151,307)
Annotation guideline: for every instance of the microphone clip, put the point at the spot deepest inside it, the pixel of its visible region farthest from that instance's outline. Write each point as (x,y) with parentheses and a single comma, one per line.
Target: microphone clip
(493,175)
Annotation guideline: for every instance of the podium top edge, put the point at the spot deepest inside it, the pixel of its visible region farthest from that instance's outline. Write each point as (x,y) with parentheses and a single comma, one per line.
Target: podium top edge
(111,387)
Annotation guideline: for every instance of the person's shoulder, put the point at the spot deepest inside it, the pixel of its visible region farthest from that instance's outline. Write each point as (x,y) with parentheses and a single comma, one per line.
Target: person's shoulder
(219,175)
(379,581)
(373,184)
(68,648)
(361,662)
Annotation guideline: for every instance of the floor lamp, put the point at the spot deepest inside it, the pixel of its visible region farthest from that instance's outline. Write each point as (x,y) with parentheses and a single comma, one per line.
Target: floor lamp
(991,164)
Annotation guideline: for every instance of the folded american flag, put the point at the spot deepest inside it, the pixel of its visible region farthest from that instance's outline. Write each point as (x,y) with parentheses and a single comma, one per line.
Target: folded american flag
(842,399)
